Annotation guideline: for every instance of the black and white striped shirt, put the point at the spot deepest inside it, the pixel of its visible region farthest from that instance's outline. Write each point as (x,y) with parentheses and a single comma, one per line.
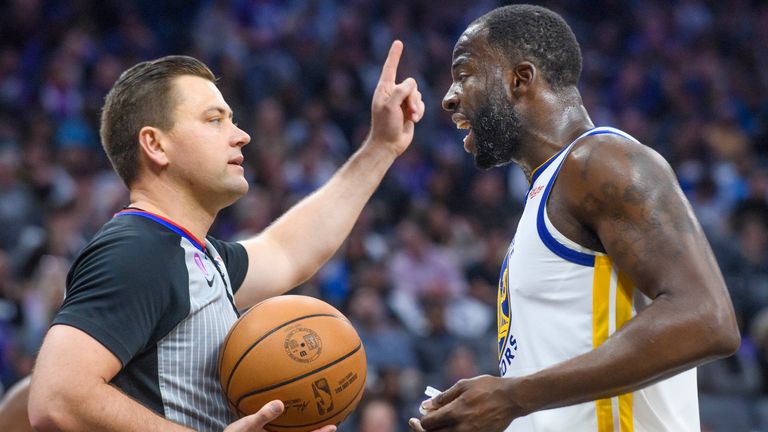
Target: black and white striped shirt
(162,302)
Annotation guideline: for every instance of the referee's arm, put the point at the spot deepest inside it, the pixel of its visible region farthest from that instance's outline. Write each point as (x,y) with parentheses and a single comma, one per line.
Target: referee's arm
(71,390)
(293,248)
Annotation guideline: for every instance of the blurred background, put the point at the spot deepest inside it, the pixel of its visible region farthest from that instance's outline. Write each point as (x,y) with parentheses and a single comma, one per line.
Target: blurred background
(418,274)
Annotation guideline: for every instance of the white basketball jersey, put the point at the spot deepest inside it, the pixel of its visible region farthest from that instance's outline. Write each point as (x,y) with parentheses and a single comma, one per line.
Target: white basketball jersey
(558,300)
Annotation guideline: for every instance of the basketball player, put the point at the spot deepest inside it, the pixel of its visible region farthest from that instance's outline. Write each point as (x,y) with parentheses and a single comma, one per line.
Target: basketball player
(150,299)
(609,294)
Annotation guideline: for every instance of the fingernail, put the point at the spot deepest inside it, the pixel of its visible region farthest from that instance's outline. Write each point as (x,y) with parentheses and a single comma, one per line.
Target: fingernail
(275,407)
(427,404)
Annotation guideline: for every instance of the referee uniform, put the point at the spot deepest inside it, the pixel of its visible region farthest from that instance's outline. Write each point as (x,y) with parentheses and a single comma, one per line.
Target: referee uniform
(162,302)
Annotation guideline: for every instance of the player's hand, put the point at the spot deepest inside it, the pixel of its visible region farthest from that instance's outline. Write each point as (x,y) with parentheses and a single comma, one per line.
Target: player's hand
(480,404)
(267,413)
(395,108)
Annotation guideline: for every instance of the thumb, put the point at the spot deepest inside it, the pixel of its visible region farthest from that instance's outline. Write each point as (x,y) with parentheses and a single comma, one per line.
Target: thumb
(256,422)
(402,91)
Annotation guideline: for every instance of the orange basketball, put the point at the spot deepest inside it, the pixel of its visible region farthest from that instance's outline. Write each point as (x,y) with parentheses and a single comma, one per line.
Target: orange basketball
(300,350)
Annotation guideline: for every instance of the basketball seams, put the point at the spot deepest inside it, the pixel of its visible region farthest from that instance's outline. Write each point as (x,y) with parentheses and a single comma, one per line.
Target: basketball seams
(299,377)
(259,340)
(355,399)
(232,330)
(252,351)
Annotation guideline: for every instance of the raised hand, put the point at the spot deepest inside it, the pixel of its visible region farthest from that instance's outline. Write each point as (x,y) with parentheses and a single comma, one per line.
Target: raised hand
(267,413)
(395,108)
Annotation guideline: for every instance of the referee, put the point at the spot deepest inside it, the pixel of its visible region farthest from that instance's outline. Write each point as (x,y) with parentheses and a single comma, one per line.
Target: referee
(150,299)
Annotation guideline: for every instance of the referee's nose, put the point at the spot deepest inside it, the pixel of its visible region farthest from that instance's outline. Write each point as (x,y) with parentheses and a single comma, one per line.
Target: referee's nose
(241,137)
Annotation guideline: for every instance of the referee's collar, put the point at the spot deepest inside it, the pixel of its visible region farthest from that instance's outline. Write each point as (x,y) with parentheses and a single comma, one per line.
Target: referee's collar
(171,225)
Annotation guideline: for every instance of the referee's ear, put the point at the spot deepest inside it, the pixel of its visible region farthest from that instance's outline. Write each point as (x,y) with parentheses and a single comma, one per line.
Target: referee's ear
(152,148)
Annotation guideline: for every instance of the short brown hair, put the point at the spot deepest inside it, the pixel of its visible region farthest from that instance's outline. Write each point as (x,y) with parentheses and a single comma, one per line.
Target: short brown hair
(142,96)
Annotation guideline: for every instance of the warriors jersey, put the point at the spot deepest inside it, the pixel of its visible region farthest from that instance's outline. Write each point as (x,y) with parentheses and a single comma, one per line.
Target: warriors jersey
(162,302)
(558,300)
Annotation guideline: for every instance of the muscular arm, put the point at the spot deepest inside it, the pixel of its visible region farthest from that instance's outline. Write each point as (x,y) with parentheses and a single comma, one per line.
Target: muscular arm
(627,196)
(71,390)
(294,247)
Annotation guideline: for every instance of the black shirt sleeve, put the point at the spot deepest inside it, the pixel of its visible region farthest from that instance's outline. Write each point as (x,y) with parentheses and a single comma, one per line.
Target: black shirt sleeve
(119,290)
(235,258)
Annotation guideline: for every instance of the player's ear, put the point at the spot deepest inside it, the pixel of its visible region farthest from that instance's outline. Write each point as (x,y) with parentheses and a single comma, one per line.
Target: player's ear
(151,144)
(519,78)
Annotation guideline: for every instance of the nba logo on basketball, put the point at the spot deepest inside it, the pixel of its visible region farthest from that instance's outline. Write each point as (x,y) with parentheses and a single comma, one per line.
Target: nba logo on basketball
(322,382)
(323,396)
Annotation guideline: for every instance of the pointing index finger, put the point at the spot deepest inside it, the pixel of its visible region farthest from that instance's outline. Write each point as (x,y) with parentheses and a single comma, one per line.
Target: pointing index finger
(389,71)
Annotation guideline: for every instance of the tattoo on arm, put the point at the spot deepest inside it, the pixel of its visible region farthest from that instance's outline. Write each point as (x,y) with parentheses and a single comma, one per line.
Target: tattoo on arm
(645,210)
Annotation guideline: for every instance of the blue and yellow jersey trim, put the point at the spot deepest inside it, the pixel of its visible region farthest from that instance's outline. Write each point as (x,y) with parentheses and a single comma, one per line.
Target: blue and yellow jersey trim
(546,237)
(612,293)
(502,304)
(506,340)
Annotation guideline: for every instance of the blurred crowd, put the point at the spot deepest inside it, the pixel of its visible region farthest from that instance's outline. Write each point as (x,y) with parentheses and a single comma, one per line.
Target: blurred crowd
(418,274)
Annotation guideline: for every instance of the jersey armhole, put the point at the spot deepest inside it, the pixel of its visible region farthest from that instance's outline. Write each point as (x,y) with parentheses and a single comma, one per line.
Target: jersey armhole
(565,241)
(555,241)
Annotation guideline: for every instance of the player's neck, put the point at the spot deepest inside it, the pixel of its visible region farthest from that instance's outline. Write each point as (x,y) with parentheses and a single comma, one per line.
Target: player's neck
(184,212)
(552,128)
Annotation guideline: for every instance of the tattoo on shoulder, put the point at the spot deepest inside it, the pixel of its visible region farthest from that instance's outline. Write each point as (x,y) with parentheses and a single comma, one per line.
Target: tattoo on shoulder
(645,213)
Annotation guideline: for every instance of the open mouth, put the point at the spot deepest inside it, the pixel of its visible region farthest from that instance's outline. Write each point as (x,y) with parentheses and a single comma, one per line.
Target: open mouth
(463,123)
